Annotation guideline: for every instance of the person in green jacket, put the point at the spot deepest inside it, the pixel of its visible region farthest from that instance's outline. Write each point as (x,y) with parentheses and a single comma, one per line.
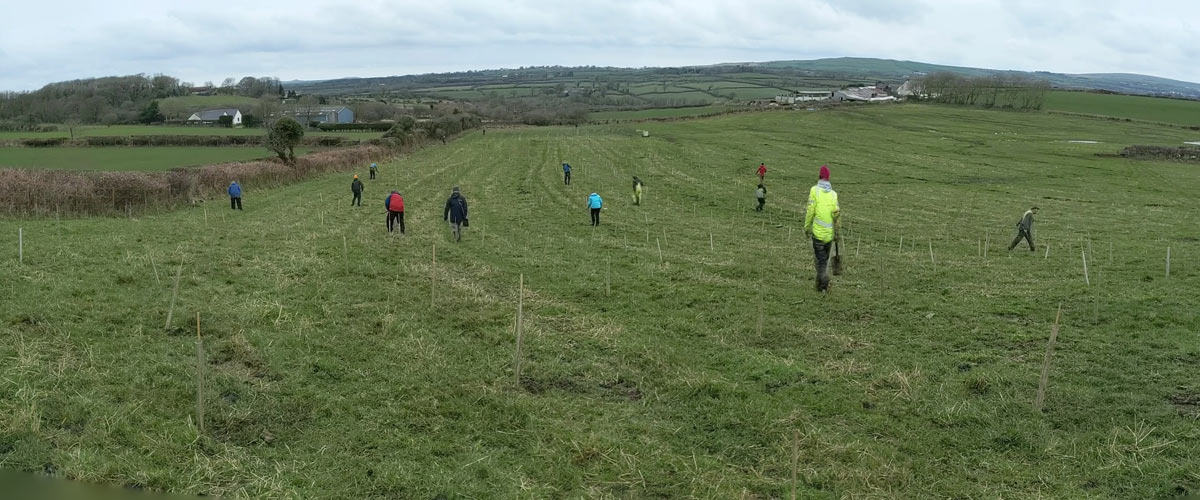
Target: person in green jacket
(821,222)
(1025,229)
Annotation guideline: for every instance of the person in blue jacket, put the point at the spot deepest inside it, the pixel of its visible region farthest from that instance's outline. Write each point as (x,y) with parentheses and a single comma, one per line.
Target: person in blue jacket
(595,204)
(566,174)
(235,196)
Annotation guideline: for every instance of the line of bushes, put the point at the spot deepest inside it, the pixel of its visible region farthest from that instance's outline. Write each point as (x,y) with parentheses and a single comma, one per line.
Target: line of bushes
(172,140)
(1188,154)
(47,192)
(356,127)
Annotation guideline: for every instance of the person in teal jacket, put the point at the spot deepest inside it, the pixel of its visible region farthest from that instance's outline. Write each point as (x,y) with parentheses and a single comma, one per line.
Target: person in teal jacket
(595,204)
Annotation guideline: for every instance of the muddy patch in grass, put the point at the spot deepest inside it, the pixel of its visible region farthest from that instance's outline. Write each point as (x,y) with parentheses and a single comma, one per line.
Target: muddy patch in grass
(1187,403)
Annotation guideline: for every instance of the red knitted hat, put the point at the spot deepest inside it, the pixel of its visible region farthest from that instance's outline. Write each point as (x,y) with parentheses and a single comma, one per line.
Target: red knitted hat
(824,173)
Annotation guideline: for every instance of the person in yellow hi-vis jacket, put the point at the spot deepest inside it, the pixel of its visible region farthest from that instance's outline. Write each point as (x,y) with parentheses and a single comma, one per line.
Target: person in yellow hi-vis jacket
(821,223)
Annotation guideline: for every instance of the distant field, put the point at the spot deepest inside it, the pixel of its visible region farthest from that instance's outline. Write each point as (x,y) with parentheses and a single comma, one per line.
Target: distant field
(126,130)
(149,159)
(1156,109)
(658,113)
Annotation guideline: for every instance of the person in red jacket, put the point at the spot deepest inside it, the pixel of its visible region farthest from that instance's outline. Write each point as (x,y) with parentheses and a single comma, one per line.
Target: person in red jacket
(762,172)
(395,211)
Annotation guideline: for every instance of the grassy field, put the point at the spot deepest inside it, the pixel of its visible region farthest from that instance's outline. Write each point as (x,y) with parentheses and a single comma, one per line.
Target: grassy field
(1177,111)
(678,350)
(657,113)
(120,158)
(129,130)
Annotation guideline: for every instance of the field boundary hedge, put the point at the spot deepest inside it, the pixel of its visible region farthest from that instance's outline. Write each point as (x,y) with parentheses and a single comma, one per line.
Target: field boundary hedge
(1185,154)
(51,192)
(169,140)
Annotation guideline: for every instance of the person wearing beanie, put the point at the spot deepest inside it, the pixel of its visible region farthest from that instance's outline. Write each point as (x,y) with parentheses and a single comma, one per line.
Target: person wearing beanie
(821,224)
(394,203)
(356,188)
(456,213)
(1025,229)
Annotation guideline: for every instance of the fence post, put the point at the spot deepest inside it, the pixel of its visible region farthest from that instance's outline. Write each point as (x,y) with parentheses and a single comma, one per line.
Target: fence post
(433,280)
(1086,279)
(21,247)
(1168,261)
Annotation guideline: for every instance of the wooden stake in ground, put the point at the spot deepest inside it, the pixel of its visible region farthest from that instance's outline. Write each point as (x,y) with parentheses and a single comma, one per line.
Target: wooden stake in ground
(1047,252)
(659,244)
(795,458)
(205,216)
(987,242)
(433,279)
(711,248)
(901,244)
(199,378)
(931,261)
(520,329)
(607,276)
(759,326)
(21,246)
(1168,262)
(174,293)
(1041,393)
(1086,279)
(155,268)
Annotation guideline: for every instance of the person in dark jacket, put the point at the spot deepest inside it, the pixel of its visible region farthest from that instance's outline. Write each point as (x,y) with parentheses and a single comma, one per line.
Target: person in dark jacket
(235,196)
(394,203)
(456,213)
(761,194)
(566,174)
(356,188)
(1025,229)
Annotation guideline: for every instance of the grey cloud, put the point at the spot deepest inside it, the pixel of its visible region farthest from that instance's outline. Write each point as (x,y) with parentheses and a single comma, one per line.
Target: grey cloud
(322,38)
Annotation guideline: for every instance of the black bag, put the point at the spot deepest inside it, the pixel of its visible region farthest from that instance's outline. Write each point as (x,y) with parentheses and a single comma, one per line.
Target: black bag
(466,223)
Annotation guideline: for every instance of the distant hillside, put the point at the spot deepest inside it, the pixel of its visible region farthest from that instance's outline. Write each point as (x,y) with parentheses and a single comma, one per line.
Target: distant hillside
(888,69)
(842,69)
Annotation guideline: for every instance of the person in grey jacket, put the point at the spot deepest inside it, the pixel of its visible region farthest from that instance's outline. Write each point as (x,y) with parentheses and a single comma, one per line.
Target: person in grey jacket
(1025,229)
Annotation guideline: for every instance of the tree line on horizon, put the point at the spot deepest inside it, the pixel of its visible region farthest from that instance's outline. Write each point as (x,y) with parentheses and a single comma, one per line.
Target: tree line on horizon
(113,100)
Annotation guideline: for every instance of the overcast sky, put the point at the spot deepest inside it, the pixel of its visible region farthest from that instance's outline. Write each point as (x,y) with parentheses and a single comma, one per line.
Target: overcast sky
(46,41)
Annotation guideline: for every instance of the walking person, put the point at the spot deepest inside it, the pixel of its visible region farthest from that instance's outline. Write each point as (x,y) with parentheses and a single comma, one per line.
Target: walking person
(762,172)
(235,196)
(456,213)
(637,190)
(394,203)
(356,188)
(374,168)
(1025,229)
(566,174)
(595,204)
(821,222)
(761,195)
